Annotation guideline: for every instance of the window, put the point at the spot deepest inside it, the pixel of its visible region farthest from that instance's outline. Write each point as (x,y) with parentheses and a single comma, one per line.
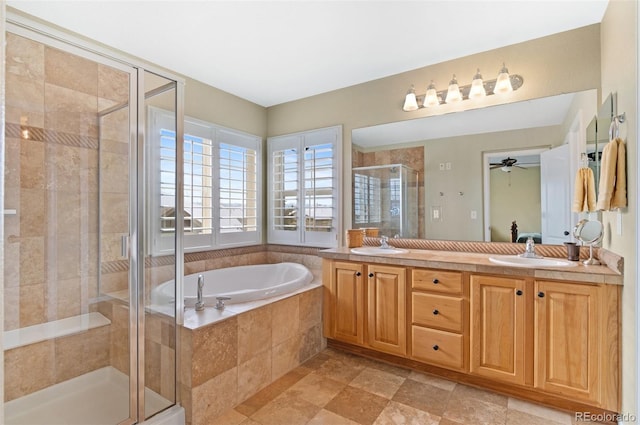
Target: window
(366,201)
(303,188)
(221,185)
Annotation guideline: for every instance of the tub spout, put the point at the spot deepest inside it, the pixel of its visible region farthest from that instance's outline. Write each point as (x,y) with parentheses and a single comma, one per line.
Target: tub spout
(199,302)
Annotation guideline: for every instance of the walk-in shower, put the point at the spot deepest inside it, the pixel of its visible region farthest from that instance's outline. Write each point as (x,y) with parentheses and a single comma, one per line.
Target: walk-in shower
(386,197)
(81,343)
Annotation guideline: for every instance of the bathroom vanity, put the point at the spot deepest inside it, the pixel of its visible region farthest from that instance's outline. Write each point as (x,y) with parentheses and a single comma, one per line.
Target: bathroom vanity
(550,335)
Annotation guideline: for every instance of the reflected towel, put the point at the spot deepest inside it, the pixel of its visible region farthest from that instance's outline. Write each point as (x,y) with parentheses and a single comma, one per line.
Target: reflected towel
(584,199)
(612,190)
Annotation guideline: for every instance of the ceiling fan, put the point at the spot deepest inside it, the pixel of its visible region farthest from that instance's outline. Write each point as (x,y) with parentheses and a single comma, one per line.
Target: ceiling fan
(506,164)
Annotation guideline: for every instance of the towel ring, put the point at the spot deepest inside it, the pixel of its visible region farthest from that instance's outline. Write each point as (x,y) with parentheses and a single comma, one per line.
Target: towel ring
(614,128)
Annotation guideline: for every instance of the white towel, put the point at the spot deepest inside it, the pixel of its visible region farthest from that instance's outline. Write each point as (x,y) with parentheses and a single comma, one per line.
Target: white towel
(612,190)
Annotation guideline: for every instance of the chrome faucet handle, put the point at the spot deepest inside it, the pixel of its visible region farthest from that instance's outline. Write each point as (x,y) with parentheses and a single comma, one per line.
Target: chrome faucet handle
(220,302)
(384,242)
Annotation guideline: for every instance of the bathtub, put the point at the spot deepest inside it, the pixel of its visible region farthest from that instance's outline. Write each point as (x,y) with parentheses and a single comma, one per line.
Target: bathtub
(241,284)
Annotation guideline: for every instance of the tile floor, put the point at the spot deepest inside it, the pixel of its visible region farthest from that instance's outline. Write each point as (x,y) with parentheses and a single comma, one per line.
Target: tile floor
(337,388)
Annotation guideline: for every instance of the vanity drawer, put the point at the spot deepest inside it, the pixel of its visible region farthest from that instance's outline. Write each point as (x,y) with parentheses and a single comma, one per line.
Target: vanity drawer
(437,311)
(437,347)
(437,281)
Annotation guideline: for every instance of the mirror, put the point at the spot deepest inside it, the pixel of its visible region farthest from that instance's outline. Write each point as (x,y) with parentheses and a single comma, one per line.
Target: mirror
(448,153)
(589,232)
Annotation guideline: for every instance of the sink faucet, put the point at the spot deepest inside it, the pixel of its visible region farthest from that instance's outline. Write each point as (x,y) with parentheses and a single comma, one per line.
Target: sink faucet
(384,242)
(530,249)
(199,302)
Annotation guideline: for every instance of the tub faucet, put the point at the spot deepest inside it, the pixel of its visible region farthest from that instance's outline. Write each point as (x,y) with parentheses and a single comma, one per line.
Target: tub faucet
(220,303)
(530,249)
(384,242)
(199,302)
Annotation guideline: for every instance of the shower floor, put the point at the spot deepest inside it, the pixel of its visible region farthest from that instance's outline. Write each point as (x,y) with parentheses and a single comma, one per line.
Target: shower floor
(100,397)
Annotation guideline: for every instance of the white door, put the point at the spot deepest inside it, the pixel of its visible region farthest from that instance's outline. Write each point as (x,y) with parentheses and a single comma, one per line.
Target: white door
(555,190)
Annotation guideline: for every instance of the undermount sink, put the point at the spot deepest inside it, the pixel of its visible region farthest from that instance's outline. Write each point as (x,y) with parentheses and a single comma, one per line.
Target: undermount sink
(518,261)
(374,250)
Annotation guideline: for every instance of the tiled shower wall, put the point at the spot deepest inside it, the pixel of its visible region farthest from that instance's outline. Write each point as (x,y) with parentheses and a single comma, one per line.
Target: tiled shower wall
(53,155)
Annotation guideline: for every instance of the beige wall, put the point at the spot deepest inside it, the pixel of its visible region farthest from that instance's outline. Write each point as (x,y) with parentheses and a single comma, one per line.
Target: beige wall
(515,196)
(619,45)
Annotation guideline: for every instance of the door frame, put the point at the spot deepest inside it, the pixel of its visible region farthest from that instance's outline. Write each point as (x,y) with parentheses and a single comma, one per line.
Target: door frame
(486,180)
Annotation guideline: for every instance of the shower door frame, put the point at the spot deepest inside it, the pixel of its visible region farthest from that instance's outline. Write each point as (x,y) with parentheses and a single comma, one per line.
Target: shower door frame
(24,26)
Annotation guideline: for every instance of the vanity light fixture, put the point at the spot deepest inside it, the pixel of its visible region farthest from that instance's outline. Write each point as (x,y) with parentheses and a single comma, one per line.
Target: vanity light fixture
(477,89)
(477,86)
(453,92)
(503,83)
(431,98)
(410,101)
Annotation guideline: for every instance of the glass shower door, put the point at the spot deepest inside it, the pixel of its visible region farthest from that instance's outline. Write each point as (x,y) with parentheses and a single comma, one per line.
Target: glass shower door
(83,343)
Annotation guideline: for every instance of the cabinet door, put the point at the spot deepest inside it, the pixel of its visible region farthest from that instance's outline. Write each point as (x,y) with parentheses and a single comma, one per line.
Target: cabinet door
(497,328)
(567,351)
(347,304)
(386,310)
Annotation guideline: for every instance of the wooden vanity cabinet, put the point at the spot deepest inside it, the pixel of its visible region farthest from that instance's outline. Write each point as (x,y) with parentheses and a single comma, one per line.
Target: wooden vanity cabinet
(386,308)
(552,341)
(438,318)
(366,305)
(576,341)
(346,303)
(498,337)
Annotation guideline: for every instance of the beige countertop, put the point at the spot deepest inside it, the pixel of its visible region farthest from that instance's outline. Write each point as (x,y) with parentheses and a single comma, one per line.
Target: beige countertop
(479,262)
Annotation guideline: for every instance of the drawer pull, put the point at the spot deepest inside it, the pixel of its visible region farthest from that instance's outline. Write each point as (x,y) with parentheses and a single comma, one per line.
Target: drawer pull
(358,274)
(436,312)
(436,281)
(519,292)
(541,294)
(436,348)
(370,274)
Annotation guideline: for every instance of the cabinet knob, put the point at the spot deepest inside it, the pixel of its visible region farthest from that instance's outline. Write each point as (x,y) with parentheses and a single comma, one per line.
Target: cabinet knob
(436,312)
(436,348)
(566,233)
(541,294)
(358,274)
(519,292)
(370,274)
(436,281)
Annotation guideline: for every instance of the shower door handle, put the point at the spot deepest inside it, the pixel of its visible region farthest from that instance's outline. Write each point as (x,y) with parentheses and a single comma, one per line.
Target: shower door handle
(124,246)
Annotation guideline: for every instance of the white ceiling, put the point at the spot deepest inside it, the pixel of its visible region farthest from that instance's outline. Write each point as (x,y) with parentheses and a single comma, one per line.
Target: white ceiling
(270,52)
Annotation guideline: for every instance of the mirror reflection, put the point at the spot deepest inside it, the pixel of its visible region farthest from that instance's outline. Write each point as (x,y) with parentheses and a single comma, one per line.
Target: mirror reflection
(480,170)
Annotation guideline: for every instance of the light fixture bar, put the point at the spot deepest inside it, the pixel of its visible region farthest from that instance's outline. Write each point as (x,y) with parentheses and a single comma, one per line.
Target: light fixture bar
(516,83)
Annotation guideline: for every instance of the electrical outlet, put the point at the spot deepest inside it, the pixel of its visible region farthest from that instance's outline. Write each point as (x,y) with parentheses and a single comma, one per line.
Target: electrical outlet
(474,215)
(448,165)
(436,214)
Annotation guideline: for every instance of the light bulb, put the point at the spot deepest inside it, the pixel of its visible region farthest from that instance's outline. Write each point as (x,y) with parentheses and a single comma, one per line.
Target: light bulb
(453,93)
(431,98)
(477,87)
(503,82)
(410,102)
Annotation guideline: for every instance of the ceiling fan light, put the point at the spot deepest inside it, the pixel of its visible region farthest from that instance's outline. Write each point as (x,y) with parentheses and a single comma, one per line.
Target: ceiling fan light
(453,93)
(477,87)
(410,101)
(431,98)
(506,169)
(503,82)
